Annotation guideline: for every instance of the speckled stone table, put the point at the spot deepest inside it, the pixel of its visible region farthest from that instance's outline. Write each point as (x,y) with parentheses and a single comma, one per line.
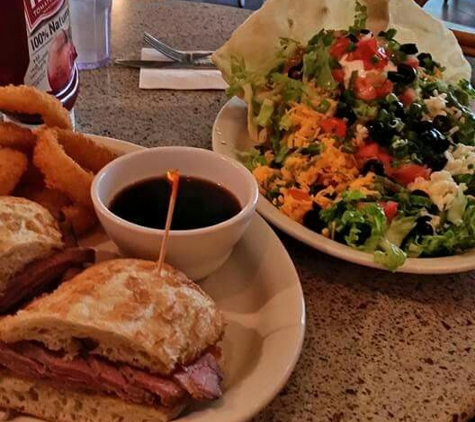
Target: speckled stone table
(378,347)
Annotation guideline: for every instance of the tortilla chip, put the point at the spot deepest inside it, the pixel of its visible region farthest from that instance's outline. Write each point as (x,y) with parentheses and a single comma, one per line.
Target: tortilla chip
(256,41)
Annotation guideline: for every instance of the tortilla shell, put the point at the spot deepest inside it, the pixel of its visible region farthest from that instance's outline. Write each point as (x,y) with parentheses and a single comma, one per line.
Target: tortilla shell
(256,41)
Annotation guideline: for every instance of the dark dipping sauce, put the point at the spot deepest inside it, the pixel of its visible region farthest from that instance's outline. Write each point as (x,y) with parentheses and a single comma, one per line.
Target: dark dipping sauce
(200,203)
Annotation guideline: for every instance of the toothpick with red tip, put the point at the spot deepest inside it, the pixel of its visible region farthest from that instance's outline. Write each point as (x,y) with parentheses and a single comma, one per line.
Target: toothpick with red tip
(173,177)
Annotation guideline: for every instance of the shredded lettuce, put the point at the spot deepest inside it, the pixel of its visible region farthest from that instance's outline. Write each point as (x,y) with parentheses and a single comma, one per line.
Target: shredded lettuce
(239,77)
(389,255)
(399,228)
(365,111)
(454,239)
(265,113)
(412,205)
(324,37)
(361,16)
(282,154)
(363,226)
(316,66)
(289,48)
(460,97)
(357,220)
(353,195)
(457,209)
(464,92)
(291,89)
(316,61)
(252,159)
(468,180)
(285,123)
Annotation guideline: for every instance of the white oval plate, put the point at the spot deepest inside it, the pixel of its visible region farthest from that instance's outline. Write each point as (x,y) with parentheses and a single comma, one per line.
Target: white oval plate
(259,292)
(230,138)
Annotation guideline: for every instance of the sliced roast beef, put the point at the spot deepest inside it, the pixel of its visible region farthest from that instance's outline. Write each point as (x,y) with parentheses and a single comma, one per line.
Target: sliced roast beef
(170,393)
(20,364)
(59,369)
(202,379)
(111,376)
(42,276)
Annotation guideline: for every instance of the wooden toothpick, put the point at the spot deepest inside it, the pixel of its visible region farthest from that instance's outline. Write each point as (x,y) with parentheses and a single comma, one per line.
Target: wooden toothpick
(173,177)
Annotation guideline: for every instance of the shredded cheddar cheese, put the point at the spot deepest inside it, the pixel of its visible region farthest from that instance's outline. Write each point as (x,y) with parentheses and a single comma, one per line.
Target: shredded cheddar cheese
(333,169)
(293,207)
(306,120)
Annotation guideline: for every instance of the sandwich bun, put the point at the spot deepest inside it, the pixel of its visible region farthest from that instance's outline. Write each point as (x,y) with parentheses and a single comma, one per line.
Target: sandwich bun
(130,312)
(40,399)
(28,232)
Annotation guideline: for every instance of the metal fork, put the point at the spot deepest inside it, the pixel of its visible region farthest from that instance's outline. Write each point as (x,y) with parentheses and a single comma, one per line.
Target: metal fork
(176,55)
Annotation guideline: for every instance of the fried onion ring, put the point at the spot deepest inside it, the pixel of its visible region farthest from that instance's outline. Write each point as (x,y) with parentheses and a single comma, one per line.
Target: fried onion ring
(51,199)
(16,137)
(87,153)
(12,166)
(81,218)
(29,100)
(61,171)
(32,179)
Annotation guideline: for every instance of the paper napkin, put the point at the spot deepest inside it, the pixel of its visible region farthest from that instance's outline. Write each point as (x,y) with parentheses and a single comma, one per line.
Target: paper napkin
(179,79)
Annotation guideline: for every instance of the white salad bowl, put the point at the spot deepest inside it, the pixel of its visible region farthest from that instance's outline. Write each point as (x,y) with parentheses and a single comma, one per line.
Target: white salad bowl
(197,252)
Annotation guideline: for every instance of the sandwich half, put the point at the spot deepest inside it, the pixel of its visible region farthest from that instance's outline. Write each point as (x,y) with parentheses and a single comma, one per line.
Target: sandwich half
(117,343)
(35,253)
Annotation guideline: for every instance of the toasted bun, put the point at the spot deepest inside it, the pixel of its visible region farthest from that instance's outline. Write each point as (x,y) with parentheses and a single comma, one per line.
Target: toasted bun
(135,315)
(27,232)
(42,400)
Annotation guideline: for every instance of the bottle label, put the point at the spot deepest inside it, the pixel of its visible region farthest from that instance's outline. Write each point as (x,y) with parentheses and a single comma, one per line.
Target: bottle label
(52,53)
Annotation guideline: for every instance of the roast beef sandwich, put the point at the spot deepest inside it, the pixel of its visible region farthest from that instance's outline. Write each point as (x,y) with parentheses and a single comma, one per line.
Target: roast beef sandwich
(34,256)
(118,342)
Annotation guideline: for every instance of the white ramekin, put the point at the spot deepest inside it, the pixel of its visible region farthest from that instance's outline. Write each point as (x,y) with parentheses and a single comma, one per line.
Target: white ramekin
(196,252)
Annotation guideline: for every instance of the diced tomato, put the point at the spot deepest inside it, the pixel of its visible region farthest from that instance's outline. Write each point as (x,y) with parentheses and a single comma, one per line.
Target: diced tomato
(408,97)
(365,48)
(407,173)
(372,86)
(412,61)
(364,89)
(334,126)
(368,50)
(299,195)
(389,208)
(376,62)
(338,75)
(372,150)
(338,49)
(385,88)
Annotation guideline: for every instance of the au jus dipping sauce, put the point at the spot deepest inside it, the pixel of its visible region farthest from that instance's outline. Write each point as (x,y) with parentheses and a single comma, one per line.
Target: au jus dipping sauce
(200,203)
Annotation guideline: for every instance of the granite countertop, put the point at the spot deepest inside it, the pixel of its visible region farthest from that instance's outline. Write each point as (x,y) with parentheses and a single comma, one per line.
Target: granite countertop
(379,346)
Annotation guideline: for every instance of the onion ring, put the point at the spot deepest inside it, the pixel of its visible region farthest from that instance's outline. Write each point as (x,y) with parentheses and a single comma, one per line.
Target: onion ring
(51,199)
(61,171)
(31,182)
(16,137)
(29,100)
(12,166)
(87,153)
(81,218)
(32,178)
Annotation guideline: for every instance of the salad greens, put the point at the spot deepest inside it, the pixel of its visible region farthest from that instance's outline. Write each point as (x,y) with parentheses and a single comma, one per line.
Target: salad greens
(360,139)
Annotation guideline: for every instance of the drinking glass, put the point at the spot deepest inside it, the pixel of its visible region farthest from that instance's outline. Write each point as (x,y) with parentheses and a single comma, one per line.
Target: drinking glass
(91,27)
